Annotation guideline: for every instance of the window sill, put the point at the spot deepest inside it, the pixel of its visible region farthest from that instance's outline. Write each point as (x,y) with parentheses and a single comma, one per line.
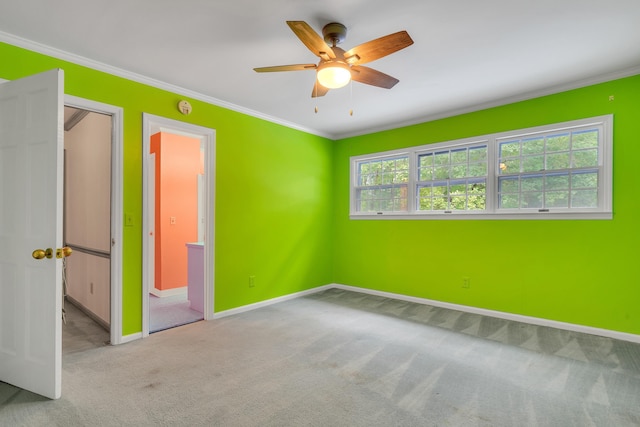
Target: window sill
(484,216)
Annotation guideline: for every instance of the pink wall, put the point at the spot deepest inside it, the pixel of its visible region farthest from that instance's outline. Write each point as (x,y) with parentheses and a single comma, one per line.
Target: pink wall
(178,163)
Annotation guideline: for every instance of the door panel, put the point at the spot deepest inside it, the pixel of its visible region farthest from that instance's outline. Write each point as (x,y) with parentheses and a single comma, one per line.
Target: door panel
(31,150)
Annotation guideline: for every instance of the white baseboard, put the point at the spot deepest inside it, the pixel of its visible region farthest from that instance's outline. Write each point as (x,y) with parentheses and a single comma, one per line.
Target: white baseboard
(169,292)
(268,302)
(128,338)
(623,336)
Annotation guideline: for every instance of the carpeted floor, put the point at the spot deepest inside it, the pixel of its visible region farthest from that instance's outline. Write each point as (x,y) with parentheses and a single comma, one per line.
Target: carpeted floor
(340,358)
(169,312)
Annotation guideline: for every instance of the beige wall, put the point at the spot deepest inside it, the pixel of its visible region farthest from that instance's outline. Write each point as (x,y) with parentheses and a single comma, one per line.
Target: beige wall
(88,212)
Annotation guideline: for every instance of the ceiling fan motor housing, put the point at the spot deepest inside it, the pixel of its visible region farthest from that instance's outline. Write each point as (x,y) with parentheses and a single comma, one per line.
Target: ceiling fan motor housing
(334,33)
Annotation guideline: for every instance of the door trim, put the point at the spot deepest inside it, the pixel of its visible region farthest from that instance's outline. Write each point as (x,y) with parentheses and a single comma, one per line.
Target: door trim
(150,125)
(117,162)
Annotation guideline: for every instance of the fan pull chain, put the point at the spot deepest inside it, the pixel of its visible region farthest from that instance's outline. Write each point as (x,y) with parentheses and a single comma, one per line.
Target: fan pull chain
(351,97)
(315,90)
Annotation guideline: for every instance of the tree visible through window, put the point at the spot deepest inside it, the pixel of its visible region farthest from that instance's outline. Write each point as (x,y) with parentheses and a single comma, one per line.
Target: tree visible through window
(382,185)
(453,179)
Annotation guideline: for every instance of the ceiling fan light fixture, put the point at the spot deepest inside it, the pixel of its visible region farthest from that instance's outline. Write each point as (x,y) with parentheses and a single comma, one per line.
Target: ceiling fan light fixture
(334,74)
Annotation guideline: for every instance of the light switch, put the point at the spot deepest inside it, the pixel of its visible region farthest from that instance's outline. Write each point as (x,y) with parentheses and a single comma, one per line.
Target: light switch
(172,220)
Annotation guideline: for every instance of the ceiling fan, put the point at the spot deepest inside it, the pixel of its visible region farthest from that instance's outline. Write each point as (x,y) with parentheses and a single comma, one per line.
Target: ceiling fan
(337,67)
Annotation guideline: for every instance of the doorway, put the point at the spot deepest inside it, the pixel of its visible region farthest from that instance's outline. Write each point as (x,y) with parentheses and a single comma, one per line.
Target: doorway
(92,193)
(178,223)
(86,228)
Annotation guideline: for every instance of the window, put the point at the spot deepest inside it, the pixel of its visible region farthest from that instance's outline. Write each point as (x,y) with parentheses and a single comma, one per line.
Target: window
(453,179)
(555,171)
(382,184)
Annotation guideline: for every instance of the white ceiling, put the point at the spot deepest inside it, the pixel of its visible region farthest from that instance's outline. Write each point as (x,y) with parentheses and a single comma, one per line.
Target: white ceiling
(467,54)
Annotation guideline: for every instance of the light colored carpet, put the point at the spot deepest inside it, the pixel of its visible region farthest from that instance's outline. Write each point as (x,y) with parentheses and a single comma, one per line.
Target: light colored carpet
(169,312)
(340,358)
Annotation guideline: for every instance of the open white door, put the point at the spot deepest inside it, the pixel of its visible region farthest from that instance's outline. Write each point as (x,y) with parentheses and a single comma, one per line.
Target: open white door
(31,164)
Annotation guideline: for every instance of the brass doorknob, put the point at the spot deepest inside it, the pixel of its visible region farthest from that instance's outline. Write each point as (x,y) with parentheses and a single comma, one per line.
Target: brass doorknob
(64,252)
(48,253)
(42,253)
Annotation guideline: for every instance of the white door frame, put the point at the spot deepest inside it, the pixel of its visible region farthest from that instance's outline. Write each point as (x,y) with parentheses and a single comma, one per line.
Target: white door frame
(150,125)
(117,162)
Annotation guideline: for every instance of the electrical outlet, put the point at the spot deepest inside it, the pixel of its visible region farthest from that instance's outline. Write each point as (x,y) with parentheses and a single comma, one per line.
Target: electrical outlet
(252,281)
(172,220)
(466,282)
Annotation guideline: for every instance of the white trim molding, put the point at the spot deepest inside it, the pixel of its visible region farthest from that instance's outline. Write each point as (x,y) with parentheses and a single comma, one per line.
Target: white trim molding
(623,336)
(269,302)
(139,78)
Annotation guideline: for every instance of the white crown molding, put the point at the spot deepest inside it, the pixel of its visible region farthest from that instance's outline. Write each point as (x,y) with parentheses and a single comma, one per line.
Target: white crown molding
(99,66)
(119,72)
(500,102)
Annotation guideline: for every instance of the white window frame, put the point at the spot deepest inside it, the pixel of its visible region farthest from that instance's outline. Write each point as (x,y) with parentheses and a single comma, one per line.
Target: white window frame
(605,177)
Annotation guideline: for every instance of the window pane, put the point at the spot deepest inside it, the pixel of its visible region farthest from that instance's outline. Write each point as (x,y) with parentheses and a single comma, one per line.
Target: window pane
(477,154)
(509,185)
(442,158)
(426,174)
(401,176)
(557,199)
(478,169)
(510,201)
(584,198)
(458,203)
(425,204)
(584,180)
(459,171)
(558,161)
(510,149)
(440,203)
(440,191)
(510,166)
(557,182)
(424,192)
(585,139)
(458,188)
(476,203)
(477,188)
(585,158)
(402,164)
(532,200)
(532,163)
(425,160)
(533,146)
(558,142)
(532,183)
(459,156)
(441,172)
(383,184)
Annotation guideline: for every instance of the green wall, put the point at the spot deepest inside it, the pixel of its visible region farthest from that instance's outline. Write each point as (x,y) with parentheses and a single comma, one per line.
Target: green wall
(273,189)
(282,211)
(583,272)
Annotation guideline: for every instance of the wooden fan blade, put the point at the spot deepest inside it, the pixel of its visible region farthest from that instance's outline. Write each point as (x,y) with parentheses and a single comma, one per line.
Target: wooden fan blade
(318,90)
(311,39)
(378,48)
(294,67)
(372,77)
